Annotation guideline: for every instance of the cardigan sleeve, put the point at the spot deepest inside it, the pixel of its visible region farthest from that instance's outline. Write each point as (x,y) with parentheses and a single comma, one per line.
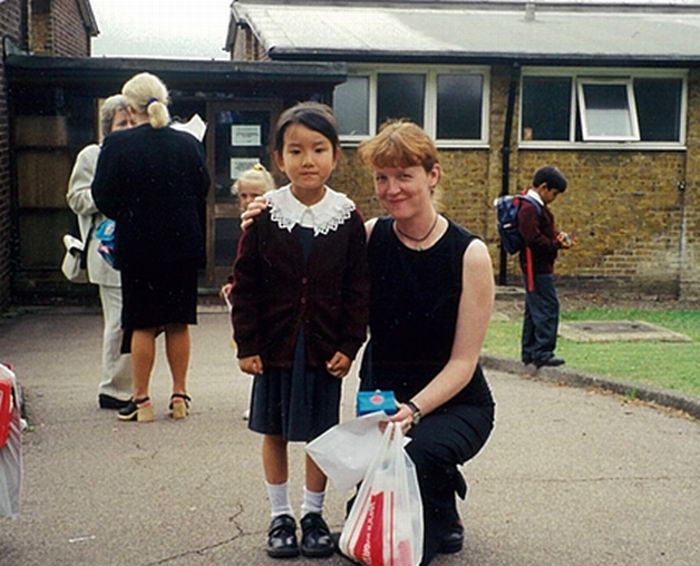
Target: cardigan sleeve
(355,290)
(245,295)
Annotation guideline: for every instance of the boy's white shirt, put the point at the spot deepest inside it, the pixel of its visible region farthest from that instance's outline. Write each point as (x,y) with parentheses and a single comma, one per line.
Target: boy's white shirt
(324,216)
(533,194)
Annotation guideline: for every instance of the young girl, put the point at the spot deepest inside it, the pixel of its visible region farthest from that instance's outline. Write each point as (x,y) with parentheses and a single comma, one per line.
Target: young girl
(252,183)
(300,308)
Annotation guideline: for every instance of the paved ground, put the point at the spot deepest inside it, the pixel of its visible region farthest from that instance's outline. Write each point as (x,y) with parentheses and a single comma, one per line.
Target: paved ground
(569,477)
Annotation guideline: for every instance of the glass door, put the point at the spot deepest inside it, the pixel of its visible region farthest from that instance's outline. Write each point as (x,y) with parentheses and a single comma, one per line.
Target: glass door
(241,136)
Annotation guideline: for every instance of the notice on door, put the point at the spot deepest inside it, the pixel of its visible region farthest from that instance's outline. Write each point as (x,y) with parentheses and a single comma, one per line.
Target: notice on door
(245,135)
(240,165)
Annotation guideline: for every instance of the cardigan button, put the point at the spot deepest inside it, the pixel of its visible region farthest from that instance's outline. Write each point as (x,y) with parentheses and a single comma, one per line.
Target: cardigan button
(304,280)
(303,300)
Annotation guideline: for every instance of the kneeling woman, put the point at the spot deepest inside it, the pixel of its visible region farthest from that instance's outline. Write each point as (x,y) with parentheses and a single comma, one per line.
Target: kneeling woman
(432,294)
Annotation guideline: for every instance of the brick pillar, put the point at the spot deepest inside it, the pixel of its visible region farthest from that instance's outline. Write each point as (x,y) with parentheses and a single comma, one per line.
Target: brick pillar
(690,247)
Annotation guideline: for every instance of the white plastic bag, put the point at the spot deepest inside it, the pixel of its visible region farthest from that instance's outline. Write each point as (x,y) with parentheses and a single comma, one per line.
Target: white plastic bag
(385,525)
(345,451)
(11,451)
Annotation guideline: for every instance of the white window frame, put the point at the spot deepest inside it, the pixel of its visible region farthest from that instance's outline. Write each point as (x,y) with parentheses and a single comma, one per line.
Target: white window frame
(429,100)
(631,110)
(586,75)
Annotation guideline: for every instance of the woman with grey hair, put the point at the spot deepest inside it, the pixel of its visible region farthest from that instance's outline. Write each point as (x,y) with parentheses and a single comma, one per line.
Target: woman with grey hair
(153,180)
(114,389)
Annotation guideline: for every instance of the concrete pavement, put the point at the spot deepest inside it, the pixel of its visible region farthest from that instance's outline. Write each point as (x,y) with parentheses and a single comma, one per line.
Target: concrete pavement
(569,476)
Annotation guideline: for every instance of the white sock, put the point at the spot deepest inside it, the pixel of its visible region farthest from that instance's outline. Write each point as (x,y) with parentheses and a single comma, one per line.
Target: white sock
(279,499)
(313,502)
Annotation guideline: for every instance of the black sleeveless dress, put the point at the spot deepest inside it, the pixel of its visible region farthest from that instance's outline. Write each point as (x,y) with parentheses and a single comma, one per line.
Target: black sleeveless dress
(414,303)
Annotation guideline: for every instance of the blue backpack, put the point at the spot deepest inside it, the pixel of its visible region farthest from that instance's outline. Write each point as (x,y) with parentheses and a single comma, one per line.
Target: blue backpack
(507,208)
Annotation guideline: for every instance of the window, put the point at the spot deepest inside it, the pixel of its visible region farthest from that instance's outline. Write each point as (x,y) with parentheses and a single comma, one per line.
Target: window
(607,110)
(459,102)
(642,107)
(400,96)
(450,104)
(352,106)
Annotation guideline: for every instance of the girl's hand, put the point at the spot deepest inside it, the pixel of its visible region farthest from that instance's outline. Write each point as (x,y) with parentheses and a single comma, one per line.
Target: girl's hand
(339,365)
(253,209)
(252,365)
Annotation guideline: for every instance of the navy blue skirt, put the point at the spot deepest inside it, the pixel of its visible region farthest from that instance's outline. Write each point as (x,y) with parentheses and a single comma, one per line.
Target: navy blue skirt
(298,404)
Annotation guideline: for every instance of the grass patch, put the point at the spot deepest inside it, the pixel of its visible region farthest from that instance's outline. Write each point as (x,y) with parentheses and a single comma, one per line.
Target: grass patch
(666,365)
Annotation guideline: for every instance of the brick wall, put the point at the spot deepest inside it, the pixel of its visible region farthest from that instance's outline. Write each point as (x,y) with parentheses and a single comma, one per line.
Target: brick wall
(637,230)
(71,37)
(57,28)
(10,26)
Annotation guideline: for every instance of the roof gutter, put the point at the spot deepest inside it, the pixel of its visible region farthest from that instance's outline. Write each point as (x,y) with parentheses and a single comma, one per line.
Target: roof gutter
(479,58)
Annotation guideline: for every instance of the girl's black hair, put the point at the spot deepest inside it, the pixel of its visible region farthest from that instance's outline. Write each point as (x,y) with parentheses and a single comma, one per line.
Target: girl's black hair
(314,115)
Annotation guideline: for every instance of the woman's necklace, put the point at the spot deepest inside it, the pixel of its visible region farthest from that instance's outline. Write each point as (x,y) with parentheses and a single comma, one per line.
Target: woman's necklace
(418,241)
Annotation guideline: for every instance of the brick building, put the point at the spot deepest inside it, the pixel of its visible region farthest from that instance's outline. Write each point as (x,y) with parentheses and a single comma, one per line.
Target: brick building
(47,28)
(608,90)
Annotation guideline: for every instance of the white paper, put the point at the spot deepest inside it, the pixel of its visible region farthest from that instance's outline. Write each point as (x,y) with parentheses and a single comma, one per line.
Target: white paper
(345,451)
(245,135)
(240,165)
(194,126)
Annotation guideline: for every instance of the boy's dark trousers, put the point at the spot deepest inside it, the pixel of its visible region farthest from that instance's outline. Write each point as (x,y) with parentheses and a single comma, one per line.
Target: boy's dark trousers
(541,320)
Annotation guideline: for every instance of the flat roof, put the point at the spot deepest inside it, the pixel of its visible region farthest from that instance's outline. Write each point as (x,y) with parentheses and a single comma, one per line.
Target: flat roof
(208,75)
(569,32)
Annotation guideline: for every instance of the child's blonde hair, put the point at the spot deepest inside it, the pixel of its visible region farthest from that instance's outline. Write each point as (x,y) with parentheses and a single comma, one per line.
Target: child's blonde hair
(147,93)
(256,174)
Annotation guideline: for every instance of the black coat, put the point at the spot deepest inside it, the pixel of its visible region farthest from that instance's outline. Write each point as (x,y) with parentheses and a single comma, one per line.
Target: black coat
(153,183)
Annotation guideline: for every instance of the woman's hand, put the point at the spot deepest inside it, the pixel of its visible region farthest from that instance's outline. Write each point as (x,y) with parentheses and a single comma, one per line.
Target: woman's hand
(339,365)
(253,209)
(404,416)
(252,365)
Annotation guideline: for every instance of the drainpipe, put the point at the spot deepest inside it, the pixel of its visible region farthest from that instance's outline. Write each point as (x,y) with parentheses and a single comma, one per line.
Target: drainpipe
(505,159)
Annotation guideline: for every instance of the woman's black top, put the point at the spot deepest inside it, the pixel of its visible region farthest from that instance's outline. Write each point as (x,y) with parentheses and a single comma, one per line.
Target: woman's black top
(414,303)
(154,182)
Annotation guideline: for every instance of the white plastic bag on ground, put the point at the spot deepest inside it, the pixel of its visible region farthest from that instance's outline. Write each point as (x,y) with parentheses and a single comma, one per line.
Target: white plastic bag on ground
(345,451)
(385,524)
(11,449)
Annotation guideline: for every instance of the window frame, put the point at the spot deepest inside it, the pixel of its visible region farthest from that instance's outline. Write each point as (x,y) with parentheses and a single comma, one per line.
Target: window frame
(589,75)
(430,96)
(631,110)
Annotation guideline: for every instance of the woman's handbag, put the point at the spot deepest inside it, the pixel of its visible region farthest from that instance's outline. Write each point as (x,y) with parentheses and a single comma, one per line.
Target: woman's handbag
(74,264)
(385,524)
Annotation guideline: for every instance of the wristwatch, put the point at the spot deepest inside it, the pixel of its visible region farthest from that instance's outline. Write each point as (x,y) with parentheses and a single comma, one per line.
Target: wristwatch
(417,415)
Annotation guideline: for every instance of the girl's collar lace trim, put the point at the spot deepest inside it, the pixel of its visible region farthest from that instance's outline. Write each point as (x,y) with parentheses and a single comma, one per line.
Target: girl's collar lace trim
(332,211)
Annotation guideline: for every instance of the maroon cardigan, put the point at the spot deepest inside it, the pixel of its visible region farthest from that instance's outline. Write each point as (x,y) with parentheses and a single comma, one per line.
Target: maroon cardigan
(540,235)
(275,291)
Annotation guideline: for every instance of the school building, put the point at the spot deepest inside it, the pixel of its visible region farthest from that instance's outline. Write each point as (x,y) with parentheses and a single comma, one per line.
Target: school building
(607,90)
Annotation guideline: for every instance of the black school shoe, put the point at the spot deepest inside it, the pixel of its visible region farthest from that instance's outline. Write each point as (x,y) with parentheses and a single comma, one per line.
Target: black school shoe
(282,538)
(108,402)
(550,362)
(453,540)
(316,539)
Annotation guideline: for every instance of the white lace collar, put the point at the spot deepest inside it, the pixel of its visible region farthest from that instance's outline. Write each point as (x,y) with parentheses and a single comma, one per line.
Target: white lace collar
(324,216)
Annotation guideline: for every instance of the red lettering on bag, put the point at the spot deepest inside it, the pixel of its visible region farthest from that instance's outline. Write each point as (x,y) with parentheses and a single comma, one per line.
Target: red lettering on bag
(369,547)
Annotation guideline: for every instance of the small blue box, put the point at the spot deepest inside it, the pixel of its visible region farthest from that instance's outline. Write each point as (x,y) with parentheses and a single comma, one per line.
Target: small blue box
(372,401)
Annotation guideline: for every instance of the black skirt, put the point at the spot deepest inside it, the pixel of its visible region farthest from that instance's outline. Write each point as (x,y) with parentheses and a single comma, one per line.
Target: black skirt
(158,294)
